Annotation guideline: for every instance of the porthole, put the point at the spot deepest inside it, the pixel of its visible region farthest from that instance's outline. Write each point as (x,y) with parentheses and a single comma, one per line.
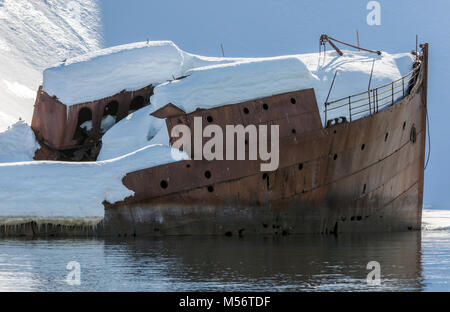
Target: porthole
(363,147)
(335,157)
(413,135)
(246,111)
(293,101)
(208,174)
(209,119)
(164,184)
(265,106)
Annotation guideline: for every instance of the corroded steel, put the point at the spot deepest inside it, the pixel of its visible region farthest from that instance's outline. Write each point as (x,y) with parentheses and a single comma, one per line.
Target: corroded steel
(55,124)
(366,175)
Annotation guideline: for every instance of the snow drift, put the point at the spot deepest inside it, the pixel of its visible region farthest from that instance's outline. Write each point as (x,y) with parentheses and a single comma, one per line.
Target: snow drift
(134,132)
(58,191)
(18,143)
(106,72)
(217,85)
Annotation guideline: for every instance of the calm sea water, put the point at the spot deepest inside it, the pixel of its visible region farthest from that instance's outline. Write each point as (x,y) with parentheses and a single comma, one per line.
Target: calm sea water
(409,262)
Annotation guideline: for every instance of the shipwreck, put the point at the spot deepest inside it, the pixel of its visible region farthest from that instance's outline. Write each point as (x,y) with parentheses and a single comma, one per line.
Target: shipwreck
(347,162)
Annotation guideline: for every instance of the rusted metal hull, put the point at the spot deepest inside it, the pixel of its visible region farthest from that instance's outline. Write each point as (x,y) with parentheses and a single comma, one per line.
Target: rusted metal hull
(378,188)
(55,124)
(360,176)
(363,176)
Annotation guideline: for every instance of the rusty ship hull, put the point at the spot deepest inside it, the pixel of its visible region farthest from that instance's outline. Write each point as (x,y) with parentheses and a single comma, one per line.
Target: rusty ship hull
(365,175)
(360,176)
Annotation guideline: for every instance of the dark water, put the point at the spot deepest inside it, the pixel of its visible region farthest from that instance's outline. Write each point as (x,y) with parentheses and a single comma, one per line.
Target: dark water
(409,262)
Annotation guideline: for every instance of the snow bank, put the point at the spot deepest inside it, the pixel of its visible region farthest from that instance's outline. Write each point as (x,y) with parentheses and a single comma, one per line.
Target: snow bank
(435,220)
(134,132)
(59,191)
(246,79)
(106,72)
(218,85)
(18,143)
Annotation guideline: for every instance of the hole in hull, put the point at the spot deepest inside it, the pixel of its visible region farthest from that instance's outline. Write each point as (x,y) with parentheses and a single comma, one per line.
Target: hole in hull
(137,103)
(413,135)
(84,125)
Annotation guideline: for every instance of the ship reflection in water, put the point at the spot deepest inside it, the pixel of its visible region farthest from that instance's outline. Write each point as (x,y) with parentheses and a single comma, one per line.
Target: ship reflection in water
(292,263)
(411,261)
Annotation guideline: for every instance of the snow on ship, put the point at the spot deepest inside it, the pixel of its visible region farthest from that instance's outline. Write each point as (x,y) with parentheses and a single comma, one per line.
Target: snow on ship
(351,158)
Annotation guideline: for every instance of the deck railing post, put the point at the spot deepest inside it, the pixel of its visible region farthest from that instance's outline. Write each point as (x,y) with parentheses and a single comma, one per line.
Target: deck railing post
(375,95)
(403,85)
(392,93)
(372,94)
(350,107)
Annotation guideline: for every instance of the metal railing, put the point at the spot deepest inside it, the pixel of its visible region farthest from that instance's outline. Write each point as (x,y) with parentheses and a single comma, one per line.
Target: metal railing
(372,101)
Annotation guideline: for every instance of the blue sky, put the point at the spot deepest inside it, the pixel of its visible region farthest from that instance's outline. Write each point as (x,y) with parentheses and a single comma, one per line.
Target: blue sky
(276,27)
